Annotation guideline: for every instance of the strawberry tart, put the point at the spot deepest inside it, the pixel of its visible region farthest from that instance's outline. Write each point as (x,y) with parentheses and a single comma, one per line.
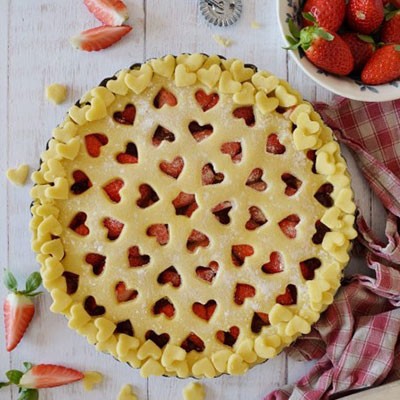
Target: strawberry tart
(192,216)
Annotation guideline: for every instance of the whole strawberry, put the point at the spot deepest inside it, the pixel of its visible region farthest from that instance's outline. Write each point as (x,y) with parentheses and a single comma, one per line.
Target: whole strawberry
(361,46)
(328,13)
(383,66)
(324,48)
(390,32)
(364,16)
(18,307)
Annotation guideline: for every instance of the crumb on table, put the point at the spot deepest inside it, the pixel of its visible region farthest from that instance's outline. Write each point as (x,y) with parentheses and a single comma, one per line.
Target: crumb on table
(225,42)
(126,393)
(91,379)
(194,391)
(56,93)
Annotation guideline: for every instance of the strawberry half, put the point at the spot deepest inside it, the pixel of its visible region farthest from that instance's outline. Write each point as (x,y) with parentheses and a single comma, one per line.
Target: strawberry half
(109,12)
(18,307)
(99,38)
(324,48)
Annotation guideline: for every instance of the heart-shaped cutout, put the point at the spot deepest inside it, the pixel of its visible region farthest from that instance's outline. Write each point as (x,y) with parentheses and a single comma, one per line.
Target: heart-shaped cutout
(72,281)
(94,142)
(320,231)
(233,149)
(209,176)
(204,311)
(127,116)
(207,273)
(92,308)
(308,268)
(255,180)
(170,275)
(221,212)
(112,189)
(209,77)
(114,228)
(193,342)
(163,97)
(135,258)
(240,72)
(164,306)
(97,261)
(275,264)
(164,66)
(174,168)
(288,225)
(160,232)
(246,113)
(239,252)
(322,195)
(242,292)
(162,134)
(200,132)
(124,327)
(258,321)
(81,182)
(130,156)
(292,184)
(289,297)
(123,294)
(274,146)
(185,204)
(257,218)
(138,79)
(206,101)
(197,239)
(148,196)
(228,337)
(160,340)
(78,224)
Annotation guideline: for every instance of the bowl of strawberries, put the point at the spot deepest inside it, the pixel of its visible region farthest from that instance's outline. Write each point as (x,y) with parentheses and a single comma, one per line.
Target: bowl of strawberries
(350,47)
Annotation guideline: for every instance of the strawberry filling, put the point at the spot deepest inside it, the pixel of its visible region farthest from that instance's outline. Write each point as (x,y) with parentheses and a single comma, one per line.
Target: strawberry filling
(205,311)
(308,267)
(288,226)
(206,101)
(246,113)
(255,180)
(321,231)
(323,195)
(72,281)
(185,204)
(292,184)
(81,182)
(174,168)
(92,308)
(257,218)
(242,292)
(289,297)
(228,338)
(200,132)
(233,149)
(78,224)
(147,196)
(197,239)
(209,177)
(274,265)
(160,340)
(112,189)
(127,116)
(125,327)
(97,261)
(94,142)
(130,156)
(207,273)
(164,306)
(135,258)
(193,342)
(274,146)
(164,97)
(123,294)
(114,228)
(312,156)
(221,212)
(239,253)
(160,232)
(162,134)
(170,275)
(259,321)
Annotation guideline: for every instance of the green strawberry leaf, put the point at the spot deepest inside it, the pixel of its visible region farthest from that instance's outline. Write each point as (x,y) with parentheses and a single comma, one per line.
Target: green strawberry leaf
(27,366)
(324,34)
(33,282)
(4,384)
(9,281)
(293,43)
(309,17)
(294,29)
(29,394)
(366,38)
(397,48)
(14,376)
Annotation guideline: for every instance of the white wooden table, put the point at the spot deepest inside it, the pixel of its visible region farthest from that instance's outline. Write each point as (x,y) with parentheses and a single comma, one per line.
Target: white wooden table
(34,52)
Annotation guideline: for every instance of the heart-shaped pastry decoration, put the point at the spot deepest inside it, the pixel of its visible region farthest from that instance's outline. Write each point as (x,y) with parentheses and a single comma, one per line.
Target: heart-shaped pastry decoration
(264,81)
(171,276)
(78,114)
(78,224)
(50,225)
(91,379)
(266,345)
(266,104)
(105,328)
(164,66)
(97,110)
(172,354)
(275,264)
(332,218)
(303,141)
(336,243)
(246,94)
(81,182)
(240,72)
(183,77)
(18,175)
(61,301)
(285,98)
(208,273)
(209,77)
(104,94)
(192,61)
(227,84)
(70,149)
(160,340)
(138,79)
(255,180)
(79,317)
(245,350)
(236,365)
(325,162)
(242,292)
(130,156)
(118,85)
(55,169)
(239,252)
(344,200)
(289,297)
(300,109)
(65,132)
(59,191)
(97,261)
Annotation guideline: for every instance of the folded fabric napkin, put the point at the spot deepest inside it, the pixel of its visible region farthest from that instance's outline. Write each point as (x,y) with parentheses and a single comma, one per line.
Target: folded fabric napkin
(357,339)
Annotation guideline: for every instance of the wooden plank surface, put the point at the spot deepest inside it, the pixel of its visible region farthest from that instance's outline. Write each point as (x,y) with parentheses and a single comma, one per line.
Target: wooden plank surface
(34,51)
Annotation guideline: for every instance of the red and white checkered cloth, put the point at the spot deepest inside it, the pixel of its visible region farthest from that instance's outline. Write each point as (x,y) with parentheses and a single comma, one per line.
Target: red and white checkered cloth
(357,340)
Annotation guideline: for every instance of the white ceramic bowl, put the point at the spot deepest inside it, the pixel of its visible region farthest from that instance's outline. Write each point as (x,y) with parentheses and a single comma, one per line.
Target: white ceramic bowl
(343,86)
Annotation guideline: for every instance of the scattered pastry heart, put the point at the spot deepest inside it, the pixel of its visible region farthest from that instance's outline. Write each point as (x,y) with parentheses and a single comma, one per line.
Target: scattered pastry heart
(18,175)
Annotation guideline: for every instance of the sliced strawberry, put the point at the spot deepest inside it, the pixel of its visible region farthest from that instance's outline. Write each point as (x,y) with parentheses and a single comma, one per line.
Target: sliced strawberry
(123,294)
(112,189)
(206,101)
(164,306)
(274,146)
(109,12)
(48,375)
(114,228)
(243,291)
(99,38)
(173,168)
(246,113)
(193,342)
(165,97)
(94,142)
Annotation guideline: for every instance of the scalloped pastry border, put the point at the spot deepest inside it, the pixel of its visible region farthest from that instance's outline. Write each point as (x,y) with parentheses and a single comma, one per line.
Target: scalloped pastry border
(248,86)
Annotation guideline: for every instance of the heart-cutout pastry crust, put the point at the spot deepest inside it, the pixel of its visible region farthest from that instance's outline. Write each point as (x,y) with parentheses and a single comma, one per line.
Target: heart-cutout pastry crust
(118,86)
(127,116)
(94,142)
(205,311)
(173,168)
(183,77)
(138,79)
(227,84)
(164,66)
(240,72)
(209,77)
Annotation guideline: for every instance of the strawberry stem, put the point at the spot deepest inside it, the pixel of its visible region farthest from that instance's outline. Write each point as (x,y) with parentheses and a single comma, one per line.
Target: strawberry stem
(32,283)
(9,281)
